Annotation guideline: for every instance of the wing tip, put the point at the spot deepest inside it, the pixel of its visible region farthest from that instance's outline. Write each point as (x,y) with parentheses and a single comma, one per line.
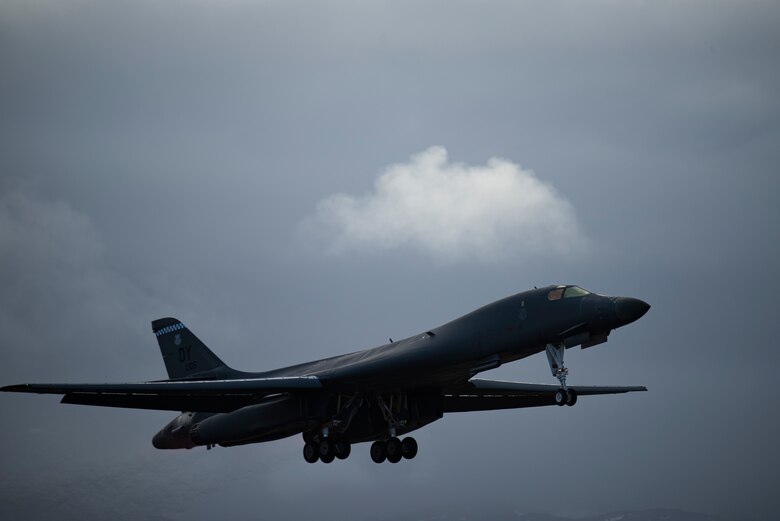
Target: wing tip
(17,388)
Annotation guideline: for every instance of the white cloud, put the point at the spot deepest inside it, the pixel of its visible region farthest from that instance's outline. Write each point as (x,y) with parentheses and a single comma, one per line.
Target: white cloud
(452,212)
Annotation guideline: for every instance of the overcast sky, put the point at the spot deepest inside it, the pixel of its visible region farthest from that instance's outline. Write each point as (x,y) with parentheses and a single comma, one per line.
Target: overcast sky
(295,180)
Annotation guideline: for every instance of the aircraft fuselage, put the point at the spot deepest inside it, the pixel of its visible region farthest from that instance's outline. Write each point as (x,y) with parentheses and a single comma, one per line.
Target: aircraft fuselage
(503,331)
(371,395)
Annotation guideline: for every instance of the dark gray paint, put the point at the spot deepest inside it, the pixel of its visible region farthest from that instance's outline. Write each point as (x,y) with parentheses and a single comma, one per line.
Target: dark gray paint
(416,380)
(157,160)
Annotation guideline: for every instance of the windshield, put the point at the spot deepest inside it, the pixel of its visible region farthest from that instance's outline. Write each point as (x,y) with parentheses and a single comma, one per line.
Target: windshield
(555,294)
(574,291)
(566,292)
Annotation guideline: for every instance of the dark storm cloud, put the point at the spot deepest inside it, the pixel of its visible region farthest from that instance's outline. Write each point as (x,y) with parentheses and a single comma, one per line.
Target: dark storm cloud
(156,160)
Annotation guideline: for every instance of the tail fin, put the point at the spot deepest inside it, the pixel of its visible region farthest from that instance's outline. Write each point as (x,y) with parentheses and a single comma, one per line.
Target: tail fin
(185,356)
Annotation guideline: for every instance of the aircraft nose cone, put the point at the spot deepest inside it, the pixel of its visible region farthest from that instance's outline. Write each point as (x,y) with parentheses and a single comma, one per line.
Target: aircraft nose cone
(629,309)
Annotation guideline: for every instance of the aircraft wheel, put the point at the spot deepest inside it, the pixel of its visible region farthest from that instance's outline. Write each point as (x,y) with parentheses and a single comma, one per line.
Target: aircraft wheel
(560,397)
(329,458)
(342,448)
(378,452)
(572,398)
(409,448)
(394,450)
(311,453)
(327,451)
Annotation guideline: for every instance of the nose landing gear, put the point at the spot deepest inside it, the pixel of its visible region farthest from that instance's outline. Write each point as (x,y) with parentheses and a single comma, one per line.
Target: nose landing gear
(564,395)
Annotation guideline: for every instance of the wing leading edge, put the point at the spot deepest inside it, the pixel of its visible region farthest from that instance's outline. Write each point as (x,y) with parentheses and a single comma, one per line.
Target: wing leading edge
(488,395)
(229,395)
(173,395)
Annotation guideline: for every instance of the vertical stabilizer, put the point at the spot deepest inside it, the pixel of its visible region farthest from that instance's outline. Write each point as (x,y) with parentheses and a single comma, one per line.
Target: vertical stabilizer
(184,354)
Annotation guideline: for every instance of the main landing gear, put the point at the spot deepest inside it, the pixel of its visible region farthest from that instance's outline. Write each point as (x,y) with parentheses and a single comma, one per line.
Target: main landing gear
(393,449)
(332,441)
(326,450)
(564,395)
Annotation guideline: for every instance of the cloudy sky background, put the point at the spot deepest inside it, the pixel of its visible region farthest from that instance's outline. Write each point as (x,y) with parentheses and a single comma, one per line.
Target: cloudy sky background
(295,180)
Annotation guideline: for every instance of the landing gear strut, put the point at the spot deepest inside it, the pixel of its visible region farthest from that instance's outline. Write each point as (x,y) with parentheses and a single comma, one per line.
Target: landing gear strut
(564,395)
(393,449)
(330,440)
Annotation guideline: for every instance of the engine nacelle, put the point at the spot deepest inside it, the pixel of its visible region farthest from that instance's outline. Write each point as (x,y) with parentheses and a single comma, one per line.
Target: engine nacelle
(274,418)
(176,435)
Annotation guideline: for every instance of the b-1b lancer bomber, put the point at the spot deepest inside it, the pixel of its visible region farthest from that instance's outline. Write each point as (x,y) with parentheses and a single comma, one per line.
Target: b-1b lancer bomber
(378,395)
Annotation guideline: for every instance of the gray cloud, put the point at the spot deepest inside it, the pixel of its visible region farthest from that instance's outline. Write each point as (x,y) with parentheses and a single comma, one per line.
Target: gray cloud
(156,160)
(62,302)
(452,212)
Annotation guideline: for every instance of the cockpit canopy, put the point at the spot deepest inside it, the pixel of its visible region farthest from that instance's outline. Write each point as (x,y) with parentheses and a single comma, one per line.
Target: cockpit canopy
(566,292)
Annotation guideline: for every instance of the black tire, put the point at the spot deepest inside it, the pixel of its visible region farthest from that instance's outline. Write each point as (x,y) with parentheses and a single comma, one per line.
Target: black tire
(326,450)
(311,453)
(572,398)
(409,448)
(378,452)
(394,450)
(342,448)
(561,397)
(329,458)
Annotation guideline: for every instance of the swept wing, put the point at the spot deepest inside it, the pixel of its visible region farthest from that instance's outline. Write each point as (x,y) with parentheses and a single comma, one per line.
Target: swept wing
(172,395)
(488,395)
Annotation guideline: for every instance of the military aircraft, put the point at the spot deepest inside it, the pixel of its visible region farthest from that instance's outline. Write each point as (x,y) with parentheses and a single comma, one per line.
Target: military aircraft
(375,395)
